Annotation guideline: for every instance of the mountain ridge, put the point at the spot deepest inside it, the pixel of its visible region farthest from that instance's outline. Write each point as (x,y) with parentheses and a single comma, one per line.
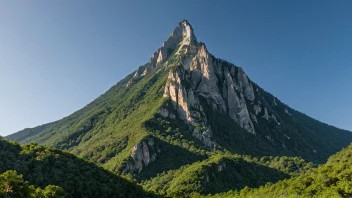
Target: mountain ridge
(44,166)
(332,179)
(182,107)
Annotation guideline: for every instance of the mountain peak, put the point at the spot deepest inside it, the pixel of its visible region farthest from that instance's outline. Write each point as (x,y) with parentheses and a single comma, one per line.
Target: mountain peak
(186,30)
(185,21)
(183,33)
(186,112)
(182,37)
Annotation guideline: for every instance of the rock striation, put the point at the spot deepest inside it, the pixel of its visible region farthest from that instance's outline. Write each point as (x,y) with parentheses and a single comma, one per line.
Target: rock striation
(199,75)
(196,76)
(142,155)
(181,36)
(197,80)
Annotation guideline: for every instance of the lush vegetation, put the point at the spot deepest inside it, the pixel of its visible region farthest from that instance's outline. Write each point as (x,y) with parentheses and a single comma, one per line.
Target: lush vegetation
(13,185)
(296,135)
(106,130)
(54,170)
(299,134)
(332,179)
(223,172)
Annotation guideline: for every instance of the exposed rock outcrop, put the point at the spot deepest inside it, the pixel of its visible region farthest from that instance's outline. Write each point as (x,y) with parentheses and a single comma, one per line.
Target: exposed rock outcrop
(266,114)
(203,78)
(196,78)
(254,118)
(164,112)
(182,37)
(221,166)
(287,112)
(257,109)
(142,155)
(205,136)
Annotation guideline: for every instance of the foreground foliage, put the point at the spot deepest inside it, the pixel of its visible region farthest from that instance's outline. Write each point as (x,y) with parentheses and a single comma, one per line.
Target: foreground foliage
(333,179)
(13,185)
(44,167)
(107,130)
(223,172)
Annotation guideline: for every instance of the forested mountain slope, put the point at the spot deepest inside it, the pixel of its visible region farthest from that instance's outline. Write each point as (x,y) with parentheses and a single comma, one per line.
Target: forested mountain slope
(224,172)
(332,179)
(13,185)
(182,109)
(44,167)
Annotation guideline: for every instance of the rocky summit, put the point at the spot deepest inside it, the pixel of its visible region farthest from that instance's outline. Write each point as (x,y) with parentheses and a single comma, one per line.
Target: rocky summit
(186,111)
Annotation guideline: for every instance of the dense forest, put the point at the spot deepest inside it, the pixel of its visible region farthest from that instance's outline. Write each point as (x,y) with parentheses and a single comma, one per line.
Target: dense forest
(37,171)
(224,172)
(29,168)
(332,179)
(185,124)
(13,185)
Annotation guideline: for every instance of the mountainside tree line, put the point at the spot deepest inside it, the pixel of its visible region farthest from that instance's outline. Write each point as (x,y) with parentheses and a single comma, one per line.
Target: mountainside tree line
(13,185)
(38,171)
(106,130)
(332,179)
(223,172)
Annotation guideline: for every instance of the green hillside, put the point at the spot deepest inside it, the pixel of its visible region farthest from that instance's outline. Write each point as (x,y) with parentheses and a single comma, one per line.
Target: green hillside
(170,124)
(45,167)
(224,172)
(332,179)
(13,185)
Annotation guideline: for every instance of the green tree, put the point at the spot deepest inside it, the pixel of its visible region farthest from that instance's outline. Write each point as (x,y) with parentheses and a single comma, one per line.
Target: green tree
(12,185)
(51,191)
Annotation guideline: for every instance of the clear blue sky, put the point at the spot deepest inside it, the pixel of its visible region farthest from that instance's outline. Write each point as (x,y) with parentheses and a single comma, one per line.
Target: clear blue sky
(57,56)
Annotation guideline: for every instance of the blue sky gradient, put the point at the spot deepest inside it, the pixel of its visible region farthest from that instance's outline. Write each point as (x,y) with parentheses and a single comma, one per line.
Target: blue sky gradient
(57,56)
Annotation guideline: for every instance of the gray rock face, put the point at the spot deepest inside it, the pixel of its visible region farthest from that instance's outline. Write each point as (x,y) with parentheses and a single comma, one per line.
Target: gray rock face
(176,91)
(237,109)
(221,166)
(266,114)
(208,85)
(164,112)
(287,112)
(203,76)
(245,86)
(197,78)
(225,88)
(274,102)
(257,109)
(184,33)
(142,154)
(273,117)
(254,118)
(205,136)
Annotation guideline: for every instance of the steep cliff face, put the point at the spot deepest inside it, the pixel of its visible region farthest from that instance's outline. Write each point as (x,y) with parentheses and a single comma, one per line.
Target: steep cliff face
(199,75)
(189,103)
(142,155)
(181,37)
(198,81)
